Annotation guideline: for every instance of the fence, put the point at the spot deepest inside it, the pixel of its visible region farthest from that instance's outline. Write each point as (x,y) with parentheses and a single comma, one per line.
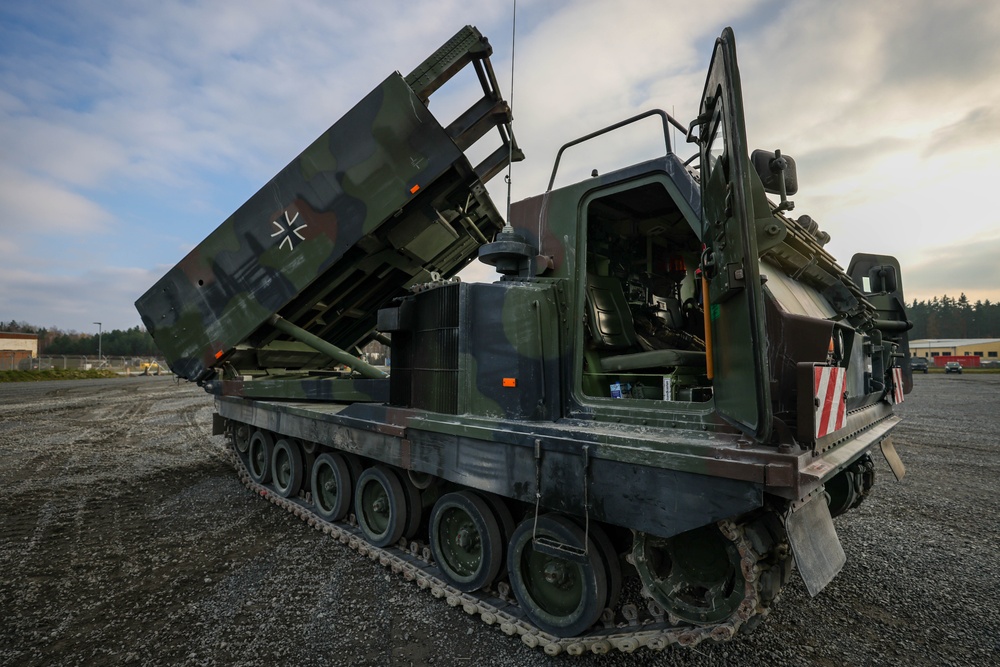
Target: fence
(17,360)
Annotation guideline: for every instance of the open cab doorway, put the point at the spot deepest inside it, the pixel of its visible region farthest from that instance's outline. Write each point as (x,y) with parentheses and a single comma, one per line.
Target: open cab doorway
(643,330)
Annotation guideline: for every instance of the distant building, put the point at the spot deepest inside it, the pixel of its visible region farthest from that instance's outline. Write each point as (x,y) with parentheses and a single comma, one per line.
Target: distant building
(17,350)
(986,348)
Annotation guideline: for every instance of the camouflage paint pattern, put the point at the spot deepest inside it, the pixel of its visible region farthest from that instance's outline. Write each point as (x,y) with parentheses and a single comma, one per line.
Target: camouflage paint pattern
(300,387)
(378,202)
(487,386)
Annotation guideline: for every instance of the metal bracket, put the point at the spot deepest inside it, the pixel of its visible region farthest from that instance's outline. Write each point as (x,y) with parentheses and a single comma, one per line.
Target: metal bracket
(547,545)
(798,504)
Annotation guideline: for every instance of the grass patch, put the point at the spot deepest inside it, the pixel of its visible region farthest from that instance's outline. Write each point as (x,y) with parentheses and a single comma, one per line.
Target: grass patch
(56,374)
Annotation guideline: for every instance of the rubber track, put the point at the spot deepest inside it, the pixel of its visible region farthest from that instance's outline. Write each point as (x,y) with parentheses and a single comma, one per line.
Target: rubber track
(627,630)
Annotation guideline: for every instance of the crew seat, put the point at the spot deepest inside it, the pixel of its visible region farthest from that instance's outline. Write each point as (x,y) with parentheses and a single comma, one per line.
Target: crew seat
(612,328)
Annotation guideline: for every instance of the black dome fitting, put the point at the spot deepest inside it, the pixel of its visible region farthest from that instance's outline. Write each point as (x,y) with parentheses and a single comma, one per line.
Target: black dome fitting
(510,255)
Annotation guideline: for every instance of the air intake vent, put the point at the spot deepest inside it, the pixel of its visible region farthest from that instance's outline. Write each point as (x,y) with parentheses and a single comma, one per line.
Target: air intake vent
(425,358)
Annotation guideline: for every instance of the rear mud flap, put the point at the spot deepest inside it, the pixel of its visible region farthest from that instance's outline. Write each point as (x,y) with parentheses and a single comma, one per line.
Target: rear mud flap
(218,424)
(892,458)
(818,554)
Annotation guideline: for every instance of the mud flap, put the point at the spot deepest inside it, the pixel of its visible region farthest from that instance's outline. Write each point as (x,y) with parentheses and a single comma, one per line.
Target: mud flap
(818,554)
(218,424)
(892,458)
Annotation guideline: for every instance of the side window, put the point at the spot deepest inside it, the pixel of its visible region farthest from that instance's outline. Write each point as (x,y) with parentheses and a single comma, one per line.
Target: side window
(717,144)
(643,333)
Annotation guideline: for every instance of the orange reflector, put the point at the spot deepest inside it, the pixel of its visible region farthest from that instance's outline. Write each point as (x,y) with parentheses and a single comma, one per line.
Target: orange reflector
(414,189)
(218,354)
(510,382)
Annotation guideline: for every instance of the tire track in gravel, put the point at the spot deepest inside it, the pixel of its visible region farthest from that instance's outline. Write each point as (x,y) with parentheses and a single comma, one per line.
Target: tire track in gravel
(143,548)
(65,491)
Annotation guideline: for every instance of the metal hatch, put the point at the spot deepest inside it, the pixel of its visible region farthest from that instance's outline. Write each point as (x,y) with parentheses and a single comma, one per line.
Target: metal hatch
(384,199)
(740,386)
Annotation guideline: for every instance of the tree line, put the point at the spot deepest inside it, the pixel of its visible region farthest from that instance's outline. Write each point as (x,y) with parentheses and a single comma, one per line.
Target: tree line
(134,342)
(940,317)
(946,317)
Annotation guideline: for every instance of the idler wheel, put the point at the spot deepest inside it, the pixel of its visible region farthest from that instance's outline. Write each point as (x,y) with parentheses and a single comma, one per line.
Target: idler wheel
(466,540)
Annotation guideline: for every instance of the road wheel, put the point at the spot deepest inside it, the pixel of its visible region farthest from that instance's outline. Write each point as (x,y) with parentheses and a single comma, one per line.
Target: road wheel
(380,503)
(500,510)
(332,486)
(241,437)
(466,540)
(286,468)
(504,519)
(562,595)
(612,566)
(414,505)
(259,457)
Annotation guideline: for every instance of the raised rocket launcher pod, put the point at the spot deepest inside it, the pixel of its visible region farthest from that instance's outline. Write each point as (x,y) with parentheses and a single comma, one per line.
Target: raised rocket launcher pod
(383,200)
(672,381)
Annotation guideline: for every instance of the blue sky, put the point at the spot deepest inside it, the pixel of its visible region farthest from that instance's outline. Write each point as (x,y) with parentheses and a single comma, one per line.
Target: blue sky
(129,131)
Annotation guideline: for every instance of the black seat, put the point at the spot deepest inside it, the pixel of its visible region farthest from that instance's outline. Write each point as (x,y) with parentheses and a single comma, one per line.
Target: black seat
(611,327)
(611,324)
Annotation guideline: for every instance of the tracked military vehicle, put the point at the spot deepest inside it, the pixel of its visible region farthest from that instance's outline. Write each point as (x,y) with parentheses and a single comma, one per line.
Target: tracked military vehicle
(624,441)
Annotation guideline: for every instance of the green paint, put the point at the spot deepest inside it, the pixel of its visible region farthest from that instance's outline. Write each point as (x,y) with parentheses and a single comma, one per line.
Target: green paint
(368,193)
(317,158)
(497,385)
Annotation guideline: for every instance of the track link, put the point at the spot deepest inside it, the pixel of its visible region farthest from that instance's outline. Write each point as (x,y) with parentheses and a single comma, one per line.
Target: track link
(627,629)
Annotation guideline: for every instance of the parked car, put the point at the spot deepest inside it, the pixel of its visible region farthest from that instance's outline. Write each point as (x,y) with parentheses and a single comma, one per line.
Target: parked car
(953,367)
(918,364)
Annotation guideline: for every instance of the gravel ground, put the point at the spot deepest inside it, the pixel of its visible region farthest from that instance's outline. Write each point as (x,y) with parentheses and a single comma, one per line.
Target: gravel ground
(126,538)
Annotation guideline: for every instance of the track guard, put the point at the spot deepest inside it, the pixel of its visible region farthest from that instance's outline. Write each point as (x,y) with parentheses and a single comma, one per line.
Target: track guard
(819,556)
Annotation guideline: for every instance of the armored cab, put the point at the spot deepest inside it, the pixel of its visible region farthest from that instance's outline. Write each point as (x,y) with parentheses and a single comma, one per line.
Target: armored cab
(671,380)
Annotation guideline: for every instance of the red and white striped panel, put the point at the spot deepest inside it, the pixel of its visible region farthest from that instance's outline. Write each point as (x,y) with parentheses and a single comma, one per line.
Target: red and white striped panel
(897,385)
(829,387)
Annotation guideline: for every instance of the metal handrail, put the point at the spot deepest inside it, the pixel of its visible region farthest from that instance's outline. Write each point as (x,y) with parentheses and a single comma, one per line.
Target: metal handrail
(667,119)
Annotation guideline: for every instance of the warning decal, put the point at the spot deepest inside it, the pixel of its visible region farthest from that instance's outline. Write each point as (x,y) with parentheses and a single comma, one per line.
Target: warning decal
(829,388)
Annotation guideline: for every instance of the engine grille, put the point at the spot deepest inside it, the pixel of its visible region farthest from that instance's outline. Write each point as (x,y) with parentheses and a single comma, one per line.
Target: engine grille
(425,358)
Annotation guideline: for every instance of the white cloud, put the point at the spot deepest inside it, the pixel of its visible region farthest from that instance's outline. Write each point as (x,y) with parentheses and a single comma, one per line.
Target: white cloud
(188,108)
(63,149)
(833,71)
(74,301)
(595,63)
(958,265)
(32,206)
(888,108)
